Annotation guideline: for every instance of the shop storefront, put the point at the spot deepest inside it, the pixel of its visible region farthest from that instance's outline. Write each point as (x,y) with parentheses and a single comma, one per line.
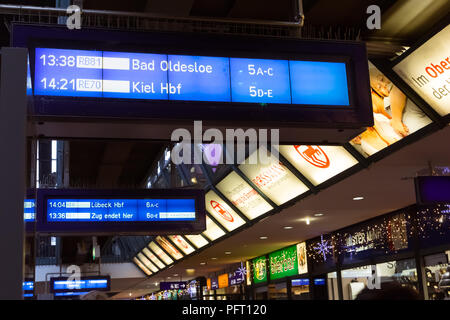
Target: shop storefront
(410,246)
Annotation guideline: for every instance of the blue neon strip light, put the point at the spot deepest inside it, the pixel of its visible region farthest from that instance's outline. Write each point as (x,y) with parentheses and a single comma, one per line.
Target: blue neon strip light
(110,210)
(83,73)
(29,212)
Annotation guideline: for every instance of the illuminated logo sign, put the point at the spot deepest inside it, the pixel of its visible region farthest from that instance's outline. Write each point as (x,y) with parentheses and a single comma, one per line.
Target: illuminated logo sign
(314,155)
(221,211)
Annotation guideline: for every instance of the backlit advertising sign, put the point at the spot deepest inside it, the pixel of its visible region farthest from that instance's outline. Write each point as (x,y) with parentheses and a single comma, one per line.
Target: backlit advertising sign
(235,278)
(160,253)
(318,163)
(427,70)
(213,231)
(223,213)
(283,263)
(214,283)
(153,258)
(248,275)
(274,180)
(182,244)
(172,285)
(243,196)
(259,270)
(395,116)
(166,245)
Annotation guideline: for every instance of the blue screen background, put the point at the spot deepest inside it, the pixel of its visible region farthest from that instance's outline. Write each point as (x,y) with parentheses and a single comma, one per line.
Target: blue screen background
(29,213)
(261,78)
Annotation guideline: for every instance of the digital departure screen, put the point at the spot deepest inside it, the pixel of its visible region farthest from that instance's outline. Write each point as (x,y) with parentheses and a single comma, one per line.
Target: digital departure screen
(126,212)
(29,208)
(120,209)
(104,74)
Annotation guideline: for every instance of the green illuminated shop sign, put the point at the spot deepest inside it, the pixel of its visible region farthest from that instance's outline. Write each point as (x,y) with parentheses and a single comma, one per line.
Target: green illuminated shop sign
(259,270)
(283,263)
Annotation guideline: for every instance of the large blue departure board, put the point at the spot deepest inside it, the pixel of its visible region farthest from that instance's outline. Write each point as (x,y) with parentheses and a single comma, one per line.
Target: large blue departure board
(88,73)
(126,212)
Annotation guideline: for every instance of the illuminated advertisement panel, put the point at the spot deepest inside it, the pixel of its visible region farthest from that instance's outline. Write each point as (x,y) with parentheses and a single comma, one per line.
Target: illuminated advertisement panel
(166,245)
(91,73)
(197,240)
(226,216)
(182,244)
(395,116)
(153,258)
(318,163)
(259,270)
(274,179)
(160,253)
(213,231)
(244,197)
(427,71)
(302,258)
(142,267)
(147,262)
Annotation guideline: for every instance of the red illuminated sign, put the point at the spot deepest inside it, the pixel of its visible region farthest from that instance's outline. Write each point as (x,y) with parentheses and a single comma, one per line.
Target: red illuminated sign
(221,211)
(314,155)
